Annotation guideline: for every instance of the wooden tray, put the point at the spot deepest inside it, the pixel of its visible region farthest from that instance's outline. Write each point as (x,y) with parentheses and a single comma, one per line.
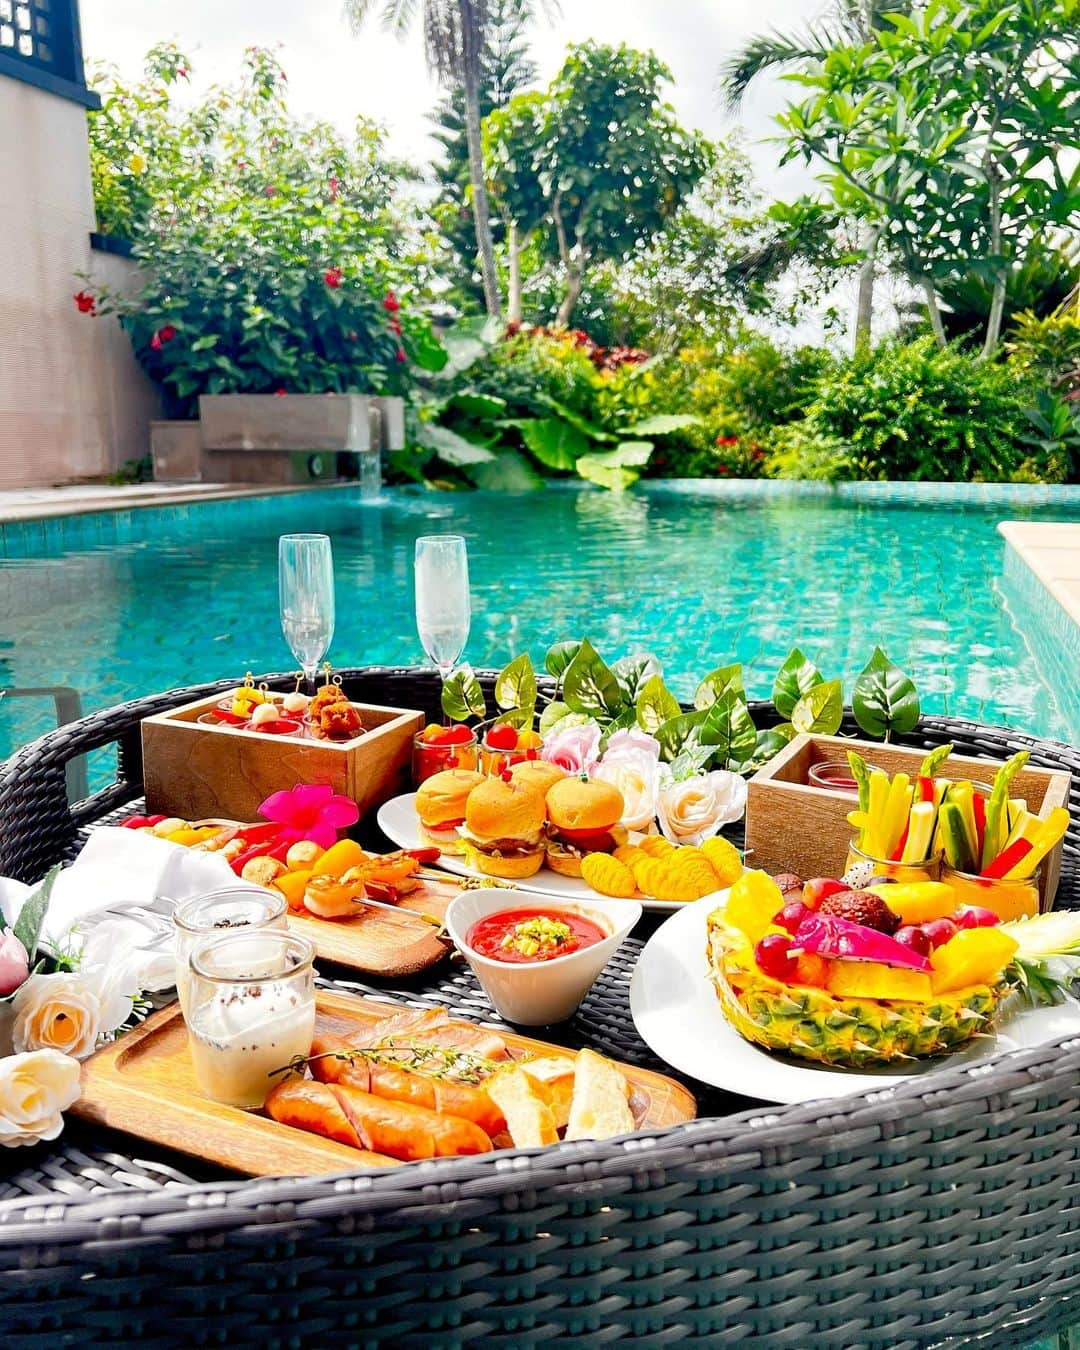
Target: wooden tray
(380,943)
(192,769)
(795,827)
(144,1084)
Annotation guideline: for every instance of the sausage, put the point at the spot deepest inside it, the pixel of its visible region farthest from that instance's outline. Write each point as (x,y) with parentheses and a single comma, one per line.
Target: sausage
(406,1085)
(312,1107)
(405,1131)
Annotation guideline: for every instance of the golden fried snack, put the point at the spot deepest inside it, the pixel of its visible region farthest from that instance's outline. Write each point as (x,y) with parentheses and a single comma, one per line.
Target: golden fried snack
(658,878)
(626,853)
(655,845)
(606,874)
(725,859)
(339,721)
(328,694)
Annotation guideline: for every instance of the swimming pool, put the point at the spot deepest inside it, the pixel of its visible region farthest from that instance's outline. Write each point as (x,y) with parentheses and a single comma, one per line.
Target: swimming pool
(125,604)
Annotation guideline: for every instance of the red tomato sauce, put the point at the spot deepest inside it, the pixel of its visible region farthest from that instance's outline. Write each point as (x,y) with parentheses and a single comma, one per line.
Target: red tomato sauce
(528,935)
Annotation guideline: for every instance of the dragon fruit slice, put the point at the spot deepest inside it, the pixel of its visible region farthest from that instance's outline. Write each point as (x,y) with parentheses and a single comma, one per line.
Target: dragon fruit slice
(828,935)
(860,874)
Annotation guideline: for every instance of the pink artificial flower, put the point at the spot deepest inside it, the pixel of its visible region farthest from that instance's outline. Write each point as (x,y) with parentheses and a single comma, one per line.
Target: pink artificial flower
(574,750)
(14,964)
(310,811)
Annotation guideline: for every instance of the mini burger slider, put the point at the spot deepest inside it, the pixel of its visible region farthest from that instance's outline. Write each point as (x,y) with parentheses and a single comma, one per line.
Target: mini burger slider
(538,773)
(504,829)
(440,807)
(583,817)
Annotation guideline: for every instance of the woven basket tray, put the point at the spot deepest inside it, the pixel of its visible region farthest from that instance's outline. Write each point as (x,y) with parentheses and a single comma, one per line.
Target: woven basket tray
(945,1211)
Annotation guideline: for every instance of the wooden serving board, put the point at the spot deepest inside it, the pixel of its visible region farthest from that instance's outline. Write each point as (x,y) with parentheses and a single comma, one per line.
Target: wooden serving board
(144,1084)
(378,942)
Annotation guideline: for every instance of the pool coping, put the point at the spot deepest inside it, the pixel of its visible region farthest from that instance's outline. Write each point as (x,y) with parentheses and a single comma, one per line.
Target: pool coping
(99,498)
(1051,551)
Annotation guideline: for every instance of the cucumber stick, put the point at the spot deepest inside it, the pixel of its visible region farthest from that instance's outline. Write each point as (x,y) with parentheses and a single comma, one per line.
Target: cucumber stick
(954,838)
(997,830)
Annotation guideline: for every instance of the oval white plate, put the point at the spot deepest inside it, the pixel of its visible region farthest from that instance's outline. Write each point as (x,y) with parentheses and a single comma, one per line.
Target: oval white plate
(397,820)
(677,1014)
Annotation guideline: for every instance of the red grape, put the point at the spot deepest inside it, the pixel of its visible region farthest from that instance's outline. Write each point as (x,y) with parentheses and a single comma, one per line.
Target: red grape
(911,935)
(940,931)
(775,957)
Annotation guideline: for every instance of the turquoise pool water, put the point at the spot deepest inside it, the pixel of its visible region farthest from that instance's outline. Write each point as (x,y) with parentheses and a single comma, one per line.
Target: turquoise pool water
(117,606)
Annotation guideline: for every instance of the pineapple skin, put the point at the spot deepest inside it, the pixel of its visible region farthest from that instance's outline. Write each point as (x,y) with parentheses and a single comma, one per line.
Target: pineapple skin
(852,1033)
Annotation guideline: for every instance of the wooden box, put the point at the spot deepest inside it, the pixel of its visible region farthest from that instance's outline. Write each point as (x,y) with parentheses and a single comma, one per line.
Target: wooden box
(795,827)
(196,770)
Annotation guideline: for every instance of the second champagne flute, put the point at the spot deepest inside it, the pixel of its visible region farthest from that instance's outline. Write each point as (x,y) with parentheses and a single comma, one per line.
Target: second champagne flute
(306,598)
(442,598)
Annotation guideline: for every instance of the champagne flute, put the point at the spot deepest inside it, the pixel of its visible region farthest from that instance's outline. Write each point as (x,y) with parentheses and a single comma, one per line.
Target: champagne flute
(306,598)
(442,598)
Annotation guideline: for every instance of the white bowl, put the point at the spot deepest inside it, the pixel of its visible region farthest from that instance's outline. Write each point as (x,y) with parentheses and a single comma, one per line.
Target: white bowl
(538,993)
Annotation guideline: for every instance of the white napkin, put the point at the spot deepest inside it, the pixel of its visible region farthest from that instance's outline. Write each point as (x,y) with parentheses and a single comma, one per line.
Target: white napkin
(118,897)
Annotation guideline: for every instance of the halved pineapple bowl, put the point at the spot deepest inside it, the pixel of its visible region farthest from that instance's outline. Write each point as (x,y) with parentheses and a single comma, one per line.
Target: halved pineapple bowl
(867,978)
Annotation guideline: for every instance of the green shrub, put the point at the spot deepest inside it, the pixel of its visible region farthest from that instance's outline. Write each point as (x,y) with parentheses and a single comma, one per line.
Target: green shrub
(915,412)
(1049,346)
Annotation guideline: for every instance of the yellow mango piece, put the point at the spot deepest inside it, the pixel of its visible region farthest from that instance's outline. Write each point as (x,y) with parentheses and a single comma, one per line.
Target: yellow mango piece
(337,860)
(973,956)
(753,901)
(874,979)
(724,858)
(918,901)
(291,885)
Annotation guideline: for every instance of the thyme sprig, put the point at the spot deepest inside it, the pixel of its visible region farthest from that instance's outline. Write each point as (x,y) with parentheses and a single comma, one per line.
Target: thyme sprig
(434,1061)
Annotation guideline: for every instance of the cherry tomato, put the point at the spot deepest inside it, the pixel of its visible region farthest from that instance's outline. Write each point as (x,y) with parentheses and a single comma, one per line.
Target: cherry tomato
(502,737)
(459,734)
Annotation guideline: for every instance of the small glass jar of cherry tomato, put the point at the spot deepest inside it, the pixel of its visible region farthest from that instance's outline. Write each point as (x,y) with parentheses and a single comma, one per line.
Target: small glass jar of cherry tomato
(504,746)
(437,748)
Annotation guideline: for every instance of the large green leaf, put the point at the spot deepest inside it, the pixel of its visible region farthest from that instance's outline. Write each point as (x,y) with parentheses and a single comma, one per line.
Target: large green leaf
(478,405)
(616,469)
(462,696)
(768,744)
(633,672)
(729,726)
(555,713)
(796,677)
(555,443)
(717,682)
(821,710)
(507,471)
(575,419)
(661,424)
(589,686)
(452,448)
(426,351)
(884,699)
(656,704)
(559,656)
(678,733)
(516,685)
(27,927)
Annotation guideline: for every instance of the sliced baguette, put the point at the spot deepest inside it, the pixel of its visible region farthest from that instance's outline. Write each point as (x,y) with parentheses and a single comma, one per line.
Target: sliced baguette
(528,1117)
(554,1079)
(598,1108)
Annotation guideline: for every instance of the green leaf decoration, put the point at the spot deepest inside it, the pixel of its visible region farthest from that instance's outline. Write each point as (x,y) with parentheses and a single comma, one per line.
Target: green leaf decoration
(690,760)
(820,710)
(27,927)
(452,448)
(462,696)
(655,705)
(729,726)
(795,678)
(555,443)
(507,471)
(662,424)
(570,719)
(634,672)
(768,744)
(559,656)
(884,699)
(589,686)
(717,682)
(678,734)
(515,686)
(521,718)
(621,722)
(554,713)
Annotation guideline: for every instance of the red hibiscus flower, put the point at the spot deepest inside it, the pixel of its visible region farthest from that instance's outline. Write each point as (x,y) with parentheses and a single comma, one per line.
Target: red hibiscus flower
(85,302)
(399,355)
(727,440)
(167,333)
(269,191)
(155,343)
(333,185)
(279,393)
(333,276)
(391,302)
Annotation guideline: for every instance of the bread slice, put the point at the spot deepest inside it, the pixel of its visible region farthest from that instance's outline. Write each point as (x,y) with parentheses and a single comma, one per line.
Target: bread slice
(528,1117)
(554,1080)
(598,1108)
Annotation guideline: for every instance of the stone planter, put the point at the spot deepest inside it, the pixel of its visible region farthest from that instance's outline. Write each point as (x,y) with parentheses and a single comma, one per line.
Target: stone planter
(176,449)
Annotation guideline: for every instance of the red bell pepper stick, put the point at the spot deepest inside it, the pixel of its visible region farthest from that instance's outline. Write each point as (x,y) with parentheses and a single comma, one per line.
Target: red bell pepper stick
(259,834)
(926,789)
(134,823)
(280,850)
(898,851)
(424,855)
(978,806)
(1007,859)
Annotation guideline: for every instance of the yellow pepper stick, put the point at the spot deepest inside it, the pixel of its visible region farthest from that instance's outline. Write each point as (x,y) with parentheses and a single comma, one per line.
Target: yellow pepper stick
(1045,839)
(1026,826)
(897,811)
(872,838)
(962,795)
(920,832)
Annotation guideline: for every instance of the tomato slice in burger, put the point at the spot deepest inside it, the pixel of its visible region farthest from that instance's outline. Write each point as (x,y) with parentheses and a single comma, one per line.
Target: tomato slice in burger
(589,841)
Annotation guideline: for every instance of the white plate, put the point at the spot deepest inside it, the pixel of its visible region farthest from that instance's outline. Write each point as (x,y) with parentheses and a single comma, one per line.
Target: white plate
(677,1013)
(397,820)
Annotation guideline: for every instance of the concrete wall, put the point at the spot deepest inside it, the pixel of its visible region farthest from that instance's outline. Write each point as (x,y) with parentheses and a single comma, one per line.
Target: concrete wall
(73,401)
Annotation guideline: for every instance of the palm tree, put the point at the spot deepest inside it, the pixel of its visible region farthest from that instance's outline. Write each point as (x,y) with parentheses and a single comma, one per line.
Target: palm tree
(455,36)
(851,21)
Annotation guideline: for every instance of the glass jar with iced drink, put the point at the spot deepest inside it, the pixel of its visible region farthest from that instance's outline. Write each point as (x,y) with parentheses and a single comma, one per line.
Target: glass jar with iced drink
(251,1010)
(221,911)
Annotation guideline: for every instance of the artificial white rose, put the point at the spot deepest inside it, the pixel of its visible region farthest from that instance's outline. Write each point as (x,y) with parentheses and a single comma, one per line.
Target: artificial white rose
(35,1089)
(631,764)
(694,810)
(57,1012)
